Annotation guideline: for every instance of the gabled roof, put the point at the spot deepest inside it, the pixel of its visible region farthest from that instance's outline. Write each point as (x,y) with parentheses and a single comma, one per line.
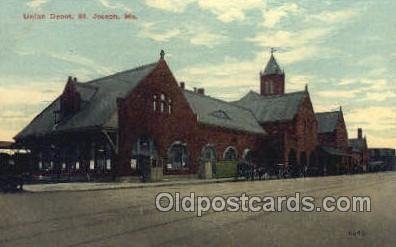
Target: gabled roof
(272,108)
(223,114)
(272,67)
(327,121)
(98,104)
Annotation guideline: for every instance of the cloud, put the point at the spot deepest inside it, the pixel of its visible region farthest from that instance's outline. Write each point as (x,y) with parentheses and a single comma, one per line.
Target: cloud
(350,94)
(287,39)
(298,82)
(14,95)
(273,16)
(332,17)
(112,5)
(295,46)
(380,96)
(19,103)
(225,11)
(177,6)
(228,80)
(373,89)
(148,31)
(36,3)
(325,108)
(230,10)
(207,39)
(84,61)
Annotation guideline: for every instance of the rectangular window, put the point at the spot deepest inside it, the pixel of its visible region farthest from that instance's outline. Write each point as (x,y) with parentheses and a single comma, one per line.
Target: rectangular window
(108,164)
(162,106)
(133,163)
(91,164)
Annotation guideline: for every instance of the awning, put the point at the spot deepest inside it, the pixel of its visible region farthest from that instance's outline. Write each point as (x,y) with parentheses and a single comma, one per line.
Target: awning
(6,145)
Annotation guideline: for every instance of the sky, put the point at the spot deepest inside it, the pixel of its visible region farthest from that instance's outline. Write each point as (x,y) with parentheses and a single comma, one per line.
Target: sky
(343,50)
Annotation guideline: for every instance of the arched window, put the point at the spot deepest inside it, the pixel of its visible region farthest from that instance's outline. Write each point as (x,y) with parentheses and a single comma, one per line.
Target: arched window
(230,153)
(271,87)
(247,155)
(162,102)
(155,103)
(177,156)
(209,153)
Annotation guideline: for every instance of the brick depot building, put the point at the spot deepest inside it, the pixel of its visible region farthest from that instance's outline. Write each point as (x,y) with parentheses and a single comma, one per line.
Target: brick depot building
(143,117)
(288,118)
(137,117)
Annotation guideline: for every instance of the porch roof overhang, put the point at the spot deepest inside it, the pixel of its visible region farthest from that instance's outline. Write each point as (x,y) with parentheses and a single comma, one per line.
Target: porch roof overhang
(7,145)
(334,151)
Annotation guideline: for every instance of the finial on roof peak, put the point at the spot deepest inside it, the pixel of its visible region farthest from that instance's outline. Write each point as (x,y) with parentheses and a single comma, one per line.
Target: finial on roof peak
(340,108)
(162,54)
(306,87)
(272,67)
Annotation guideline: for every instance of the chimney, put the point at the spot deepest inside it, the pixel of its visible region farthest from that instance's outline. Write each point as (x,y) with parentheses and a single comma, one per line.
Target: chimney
(201,91)
(195,89)
(360,133)
(182,85)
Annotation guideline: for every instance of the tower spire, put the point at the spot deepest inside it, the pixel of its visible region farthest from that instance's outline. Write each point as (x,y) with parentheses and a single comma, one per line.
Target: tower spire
(272,78)
(272,67)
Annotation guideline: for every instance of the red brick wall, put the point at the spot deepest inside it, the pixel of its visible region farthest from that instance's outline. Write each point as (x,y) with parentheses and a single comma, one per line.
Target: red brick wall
(222,138)
(278,84)
(300,134)
(336,139)
(137,118)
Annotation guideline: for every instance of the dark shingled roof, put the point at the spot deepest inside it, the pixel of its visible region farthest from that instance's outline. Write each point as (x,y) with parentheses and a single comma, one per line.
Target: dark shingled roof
(98,104)
(272,108)
(327,121)
(357,144)
(220,113)
(99,107)
(272,67)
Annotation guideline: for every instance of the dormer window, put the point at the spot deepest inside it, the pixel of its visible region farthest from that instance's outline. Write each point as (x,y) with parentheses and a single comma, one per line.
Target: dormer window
(220,114)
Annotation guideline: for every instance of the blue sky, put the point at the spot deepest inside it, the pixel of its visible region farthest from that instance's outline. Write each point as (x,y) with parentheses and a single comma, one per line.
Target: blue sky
(343,50)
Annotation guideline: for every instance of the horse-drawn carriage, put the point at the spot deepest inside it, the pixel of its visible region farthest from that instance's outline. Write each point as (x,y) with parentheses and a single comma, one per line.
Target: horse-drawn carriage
(11,174)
